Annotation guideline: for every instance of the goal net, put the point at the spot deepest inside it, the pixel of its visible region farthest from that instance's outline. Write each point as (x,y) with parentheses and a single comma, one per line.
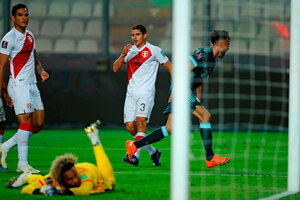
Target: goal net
(248,97)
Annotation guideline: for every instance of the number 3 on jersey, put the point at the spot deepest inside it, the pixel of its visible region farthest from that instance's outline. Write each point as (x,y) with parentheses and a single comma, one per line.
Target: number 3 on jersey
(142,107)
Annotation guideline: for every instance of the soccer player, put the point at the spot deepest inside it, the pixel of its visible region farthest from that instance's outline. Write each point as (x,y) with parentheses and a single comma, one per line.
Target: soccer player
(69,177)
(17,50)
(143,60)
(203,62)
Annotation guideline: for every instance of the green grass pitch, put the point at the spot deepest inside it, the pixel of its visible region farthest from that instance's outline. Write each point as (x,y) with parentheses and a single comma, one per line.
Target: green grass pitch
(258,166)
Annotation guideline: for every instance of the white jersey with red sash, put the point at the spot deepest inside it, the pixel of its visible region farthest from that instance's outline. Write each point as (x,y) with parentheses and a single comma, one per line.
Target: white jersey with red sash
(142,68)
(20,48)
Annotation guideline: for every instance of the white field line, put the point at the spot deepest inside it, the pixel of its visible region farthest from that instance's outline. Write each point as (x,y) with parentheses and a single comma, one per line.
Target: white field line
(191,173)
(124,149)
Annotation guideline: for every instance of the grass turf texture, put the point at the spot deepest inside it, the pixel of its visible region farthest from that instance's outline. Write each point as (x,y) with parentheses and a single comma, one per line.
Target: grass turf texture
(258,166)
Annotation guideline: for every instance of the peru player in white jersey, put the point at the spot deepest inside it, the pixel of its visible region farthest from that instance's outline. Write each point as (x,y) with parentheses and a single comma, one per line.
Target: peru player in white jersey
(17,50)
(143,61)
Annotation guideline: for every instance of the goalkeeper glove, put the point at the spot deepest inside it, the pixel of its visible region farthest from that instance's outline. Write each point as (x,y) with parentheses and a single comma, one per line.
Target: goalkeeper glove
(50,190)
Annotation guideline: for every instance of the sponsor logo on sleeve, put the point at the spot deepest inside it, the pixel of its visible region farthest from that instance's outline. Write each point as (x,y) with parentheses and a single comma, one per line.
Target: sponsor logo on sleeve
(199,55)
(83,176)
(162,53)
(4,44)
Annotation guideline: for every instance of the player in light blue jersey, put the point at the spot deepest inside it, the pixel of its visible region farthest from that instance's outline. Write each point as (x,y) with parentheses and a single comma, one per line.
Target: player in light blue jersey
(203,62)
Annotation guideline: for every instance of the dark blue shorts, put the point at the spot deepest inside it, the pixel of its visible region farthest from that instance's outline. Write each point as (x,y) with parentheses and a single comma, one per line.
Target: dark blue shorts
(193,100)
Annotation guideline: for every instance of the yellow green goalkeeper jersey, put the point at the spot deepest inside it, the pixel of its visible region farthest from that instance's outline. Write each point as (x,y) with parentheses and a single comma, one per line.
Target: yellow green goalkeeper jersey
(92,181)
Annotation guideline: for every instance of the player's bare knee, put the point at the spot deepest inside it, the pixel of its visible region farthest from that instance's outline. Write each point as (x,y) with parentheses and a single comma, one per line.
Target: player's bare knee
(141,123)
(131,128)
(38,125)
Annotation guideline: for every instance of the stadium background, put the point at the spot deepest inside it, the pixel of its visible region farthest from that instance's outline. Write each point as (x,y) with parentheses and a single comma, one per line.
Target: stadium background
(248,91)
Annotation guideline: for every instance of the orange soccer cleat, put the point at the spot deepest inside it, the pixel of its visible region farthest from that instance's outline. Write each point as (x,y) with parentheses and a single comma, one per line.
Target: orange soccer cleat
(217,161)
(131,149)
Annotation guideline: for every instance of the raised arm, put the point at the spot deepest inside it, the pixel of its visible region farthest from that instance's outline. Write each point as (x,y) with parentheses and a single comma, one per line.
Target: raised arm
(119,63)
(39,69)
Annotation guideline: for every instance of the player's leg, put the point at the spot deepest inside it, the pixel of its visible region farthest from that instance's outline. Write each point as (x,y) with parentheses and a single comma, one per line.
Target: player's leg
(23,134)
(153,137)
(144,109)
(204,117)
(38,116)
(154,153)
(102,160)
(156,135)
(132,129)
(24,99)
(205,129)
(129,120)
(38,119)
(22,179)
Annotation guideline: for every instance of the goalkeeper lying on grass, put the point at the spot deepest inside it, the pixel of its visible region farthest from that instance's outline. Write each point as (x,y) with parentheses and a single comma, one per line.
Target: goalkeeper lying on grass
(67,177)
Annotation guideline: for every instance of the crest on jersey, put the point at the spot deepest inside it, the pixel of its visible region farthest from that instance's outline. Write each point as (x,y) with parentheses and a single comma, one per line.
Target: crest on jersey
(199,55)
(30,38)
(4,44)
(145,54)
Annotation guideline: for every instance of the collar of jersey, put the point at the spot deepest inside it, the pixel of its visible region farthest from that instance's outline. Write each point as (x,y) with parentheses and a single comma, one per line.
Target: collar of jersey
(137,49)
(18,32)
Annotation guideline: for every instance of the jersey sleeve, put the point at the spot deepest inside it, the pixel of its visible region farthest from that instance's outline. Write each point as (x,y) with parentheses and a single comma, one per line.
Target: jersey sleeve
(198,57)
(7,44)
(160,56)
(126,58)
(86,185)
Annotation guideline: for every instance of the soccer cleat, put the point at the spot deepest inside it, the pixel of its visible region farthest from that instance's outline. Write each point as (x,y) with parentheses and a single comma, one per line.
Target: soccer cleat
(18,181)
(27,169)
(3,153)
(131,149)
(92,132)
(155,158)
(217,161)
(134,161)
(2,168)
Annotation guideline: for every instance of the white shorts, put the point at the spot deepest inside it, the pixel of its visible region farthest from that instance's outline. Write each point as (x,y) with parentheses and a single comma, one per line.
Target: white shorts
(26,98)
(138,106)
(2,112)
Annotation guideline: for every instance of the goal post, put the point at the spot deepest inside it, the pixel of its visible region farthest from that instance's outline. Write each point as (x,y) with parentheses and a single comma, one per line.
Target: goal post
(180,107)
(294,101)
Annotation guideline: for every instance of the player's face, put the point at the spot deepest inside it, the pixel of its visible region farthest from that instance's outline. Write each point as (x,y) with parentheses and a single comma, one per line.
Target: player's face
(71,178)
(138,38)
(21,18)
(224,47)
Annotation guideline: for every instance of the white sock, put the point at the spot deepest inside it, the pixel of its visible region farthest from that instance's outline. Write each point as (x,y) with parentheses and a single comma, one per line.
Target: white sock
(1,138)
(7,145)
(22,141)
(149,148)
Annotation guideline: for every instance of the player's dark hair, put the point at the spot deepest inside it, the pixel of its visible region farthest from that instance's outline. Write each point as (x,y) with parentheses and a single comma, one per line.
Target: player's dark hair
(140,27)
(16,7)
(217,35)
